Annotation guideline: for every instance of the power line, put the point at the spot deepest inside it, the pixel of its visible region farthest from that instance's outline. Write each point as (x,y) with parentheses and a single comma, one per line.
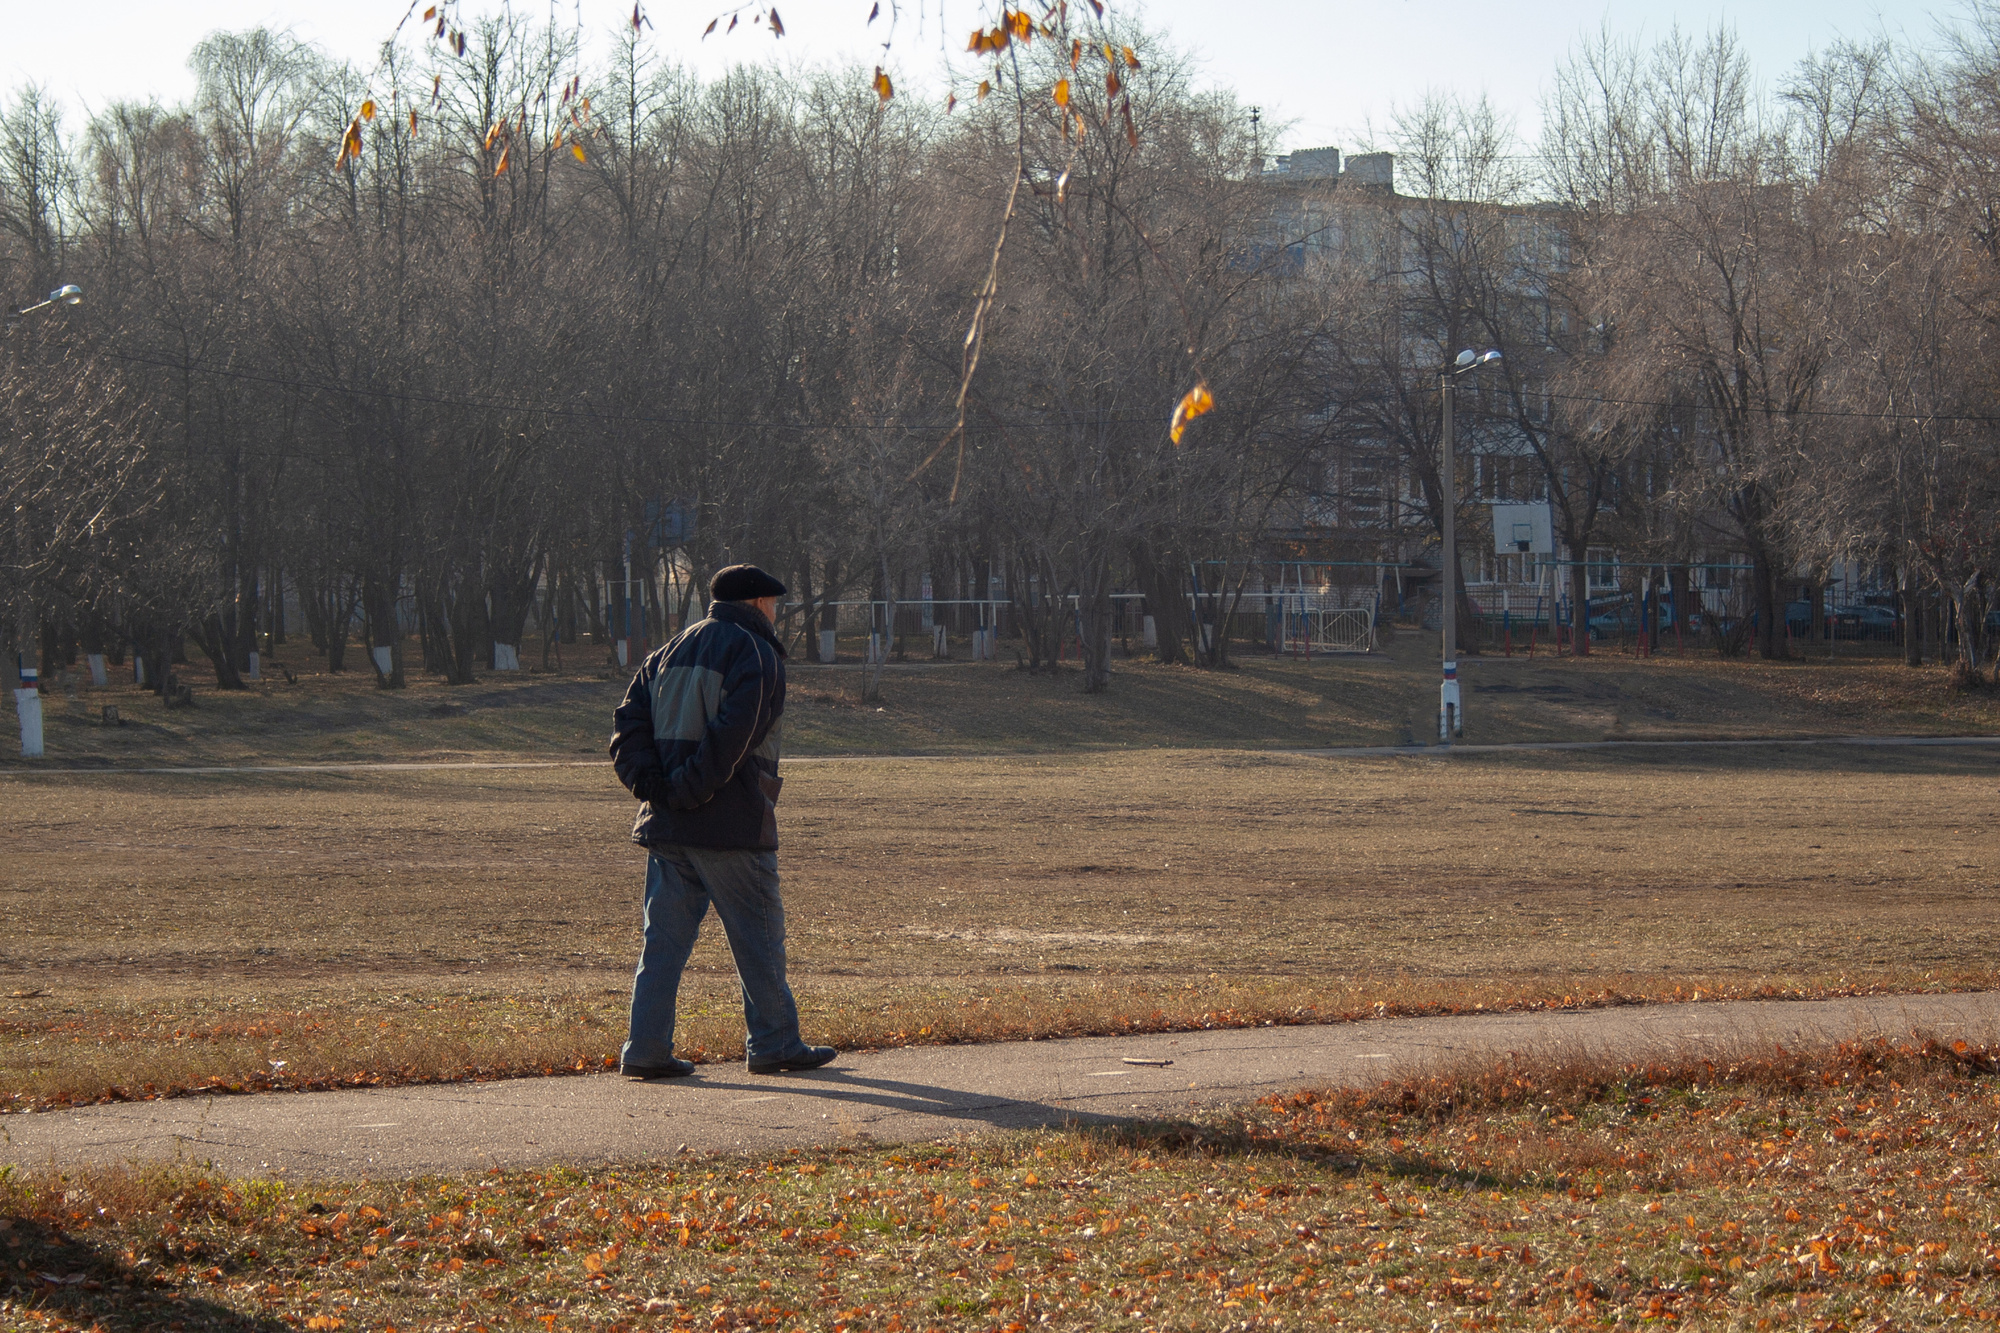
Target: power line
(637,418)
(1850,413)
(580,413)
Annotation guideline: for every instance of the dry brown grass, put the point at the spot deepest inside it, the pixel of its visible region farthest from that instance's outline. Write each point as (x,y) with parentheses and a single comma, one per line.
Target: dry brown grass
(179,930)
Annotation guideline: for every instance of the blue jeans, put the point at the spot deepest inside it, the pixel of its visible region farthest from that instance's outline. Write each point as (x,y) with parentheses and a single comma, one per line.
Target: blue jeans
(681,882)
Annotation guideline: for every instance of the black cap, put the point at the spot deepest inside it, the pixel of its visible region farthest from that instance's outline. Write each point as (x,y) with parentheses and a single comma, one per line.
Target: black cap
(743,583)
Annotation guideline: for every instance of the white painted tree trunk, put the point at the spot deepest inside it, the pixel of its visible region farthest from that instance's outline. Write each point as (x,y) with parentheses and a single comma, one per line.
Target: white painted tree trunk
(28,705)
(97,676)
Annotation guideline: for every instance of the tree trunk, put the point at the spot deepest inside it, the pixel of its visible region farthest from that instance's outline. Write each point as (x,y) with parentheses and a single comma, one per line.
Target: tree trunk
(1968,664)
(1910,603)
(1165,603)
(219,646)
(1470,626)
(378,606)
(1094,616)
(1770,611)
(1579,608)
(513,594)
(872,674)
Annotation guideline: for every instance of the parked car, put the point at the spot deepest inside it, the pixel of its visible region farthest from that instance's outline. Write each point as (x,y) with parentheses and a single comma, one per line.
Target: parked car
(1876,622)
(1613,622)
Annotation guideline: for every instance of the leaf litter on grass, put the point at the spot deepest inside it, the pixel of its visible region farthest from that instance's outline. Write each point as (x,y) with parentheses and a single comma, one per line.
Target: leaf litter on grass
(1841,1188)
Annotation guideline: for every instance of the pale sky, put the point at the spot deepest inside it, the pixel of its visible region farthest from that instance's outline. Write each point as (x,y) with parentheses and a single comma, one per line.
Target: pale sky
(1328,67)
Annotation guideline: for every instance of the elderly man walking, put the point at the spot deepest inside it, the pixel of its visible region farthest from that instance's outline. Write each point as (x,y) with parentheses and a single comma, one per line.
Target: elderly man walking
(697,740)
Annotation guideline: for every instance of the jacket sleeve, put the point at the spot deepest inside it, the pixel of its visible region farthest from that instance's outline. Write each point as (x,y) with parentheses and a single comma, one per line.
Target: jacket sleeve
(633,755)
(731,732)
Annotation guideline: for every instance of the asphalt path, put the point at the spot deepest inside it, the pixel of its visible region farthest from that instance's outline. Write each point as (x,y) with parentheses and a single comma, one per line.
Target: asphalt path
(913,1093)
(1337,752)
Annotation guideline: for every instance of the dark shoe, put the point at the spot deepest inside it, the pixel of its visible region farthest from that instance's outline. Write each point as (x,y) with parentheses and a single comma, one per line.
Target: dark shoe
(812,1057)
(673,1068)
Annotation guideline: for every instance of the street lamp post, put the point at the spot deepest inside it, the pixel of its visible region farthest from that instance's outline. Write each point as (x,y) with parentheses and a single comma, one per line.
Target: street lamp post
(68,295)
(28,694)
(1451,708)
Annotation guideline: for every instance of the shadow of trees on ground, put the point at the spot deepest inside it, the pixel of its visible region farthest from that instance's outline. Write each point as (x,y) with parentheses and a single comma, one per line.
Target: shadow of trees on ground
(74,1278)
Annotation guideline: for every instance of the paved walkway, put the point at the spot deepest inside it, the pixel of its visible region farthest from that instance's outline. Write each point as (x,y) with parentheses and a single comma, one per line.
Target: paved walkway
(914,1093)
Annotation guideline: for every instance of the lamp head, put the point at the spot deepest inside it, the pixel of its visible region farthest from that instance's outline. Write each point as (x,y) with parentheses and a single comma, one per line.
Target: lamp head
(1490,354)
(1466,358)
(68,295)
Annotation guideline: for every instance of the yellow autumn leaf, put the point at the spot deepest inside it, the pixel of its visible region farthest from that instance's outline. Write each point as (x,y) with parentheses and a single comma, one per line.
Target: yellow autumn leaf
(413,122)
(1024,27)
(368,109)
(1131,61)
(576,151)
(883,88)
(1062,92)
(950,101)
(430,13)
(1195,402)
(1111,83)
(777,27)
(978,42)
(985,87)
(1075,52)
(504,155)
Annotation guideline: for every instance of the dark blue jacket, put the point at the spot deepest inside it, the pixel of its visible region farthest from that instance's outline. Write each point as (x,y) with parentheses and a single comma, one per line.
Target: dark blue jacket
(697,736)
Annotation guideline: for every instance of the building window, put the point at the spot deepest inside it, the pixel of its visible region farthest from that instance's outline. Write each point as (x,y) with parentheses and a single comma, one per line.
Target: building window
(1602,566)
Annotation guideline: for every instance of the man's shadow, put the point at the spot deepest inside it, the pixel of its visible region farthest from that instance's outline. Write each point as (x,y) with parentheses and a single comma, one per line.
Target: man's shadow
(64,1273)
(848,1088)
(1151,1132)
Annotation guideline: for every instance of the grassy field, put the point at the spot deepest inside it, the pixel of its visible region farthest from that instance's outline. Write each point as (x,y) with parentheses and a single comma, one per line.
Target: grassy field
(1852,1188)
(986,855)
(967,708)
(165,931)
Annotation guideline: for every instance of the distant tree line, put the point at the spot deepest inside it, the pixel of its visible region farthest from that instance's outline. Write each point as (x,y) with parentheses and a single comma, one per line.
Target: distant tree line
(550,321)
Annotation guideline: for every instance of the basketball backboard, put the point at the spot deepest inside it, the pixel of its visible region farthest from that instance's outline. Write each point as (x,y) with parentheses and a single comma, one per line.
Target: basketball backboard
(1523,528)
